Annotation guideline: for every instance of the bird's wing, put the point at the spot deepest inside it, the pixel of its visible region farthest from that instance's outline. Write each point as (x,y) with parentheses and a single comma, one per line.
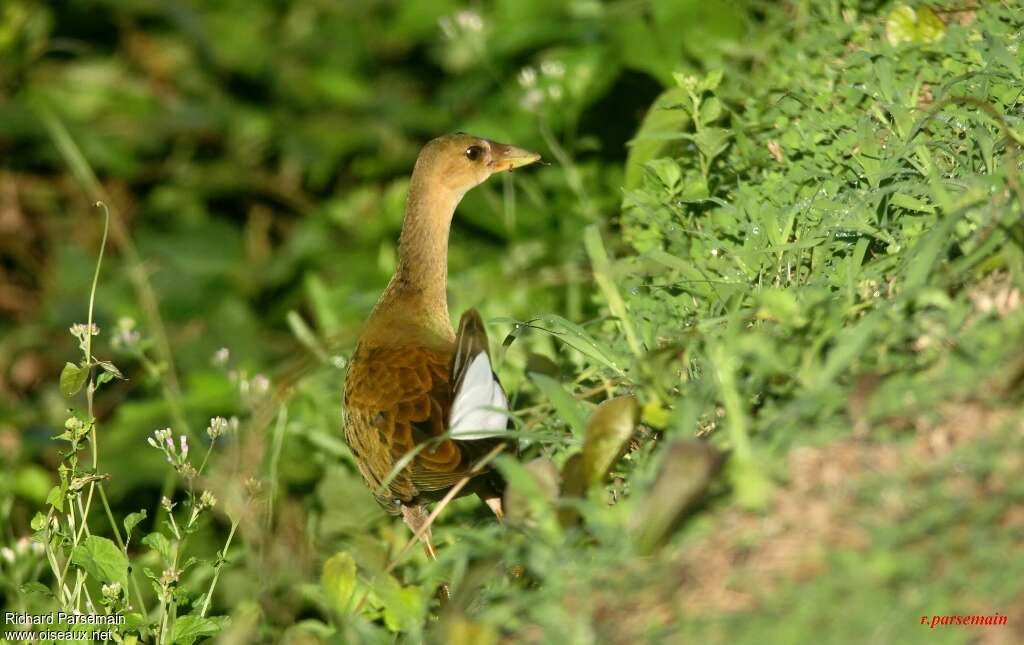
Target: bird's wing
(397,397)
(479,408)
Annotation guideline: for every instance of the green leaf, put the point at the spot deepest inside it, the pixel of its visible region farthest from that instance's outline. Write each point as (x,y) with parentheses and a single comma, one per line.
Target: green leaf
(712,142)
(55,498)
(158,543)
(782,306)
(403,605)
(35,588)
(338,580)
(710,82)
(566,406)
(653,137)
(710,110)
(668,173)
(686,469)
(72,379)
(610,427)
(101,559)
(111,369)
(905,25)
(531,491)
(131,521)
(38,521)
(577,338)
(187,629)
(912,203)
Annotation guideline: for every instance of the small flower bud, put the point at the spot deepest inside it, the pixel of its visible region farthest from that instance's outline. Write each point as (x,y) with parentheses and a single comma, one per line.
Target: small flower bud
(207,500)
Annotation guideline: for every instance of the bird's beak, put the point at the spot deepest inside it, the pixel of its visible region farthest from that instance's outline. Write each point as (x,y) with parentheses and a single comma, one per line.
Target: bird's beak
(506,157)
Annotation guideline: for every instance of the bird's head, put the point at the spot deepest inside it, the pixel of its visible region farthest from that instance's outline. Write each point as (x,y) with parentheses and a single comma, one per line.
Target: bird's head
(461,161)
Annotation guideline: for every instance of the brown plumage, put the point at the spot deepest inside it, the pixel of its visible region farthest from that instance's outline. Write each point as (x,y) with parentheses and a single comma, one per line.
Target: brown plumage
(409,363)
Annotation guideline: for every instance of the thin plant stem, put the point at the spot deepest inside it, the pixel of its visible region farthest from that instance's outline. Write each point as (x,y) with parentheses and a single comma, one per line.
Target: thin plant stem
(124,547)
(216,573)
(136,271)
(275,456)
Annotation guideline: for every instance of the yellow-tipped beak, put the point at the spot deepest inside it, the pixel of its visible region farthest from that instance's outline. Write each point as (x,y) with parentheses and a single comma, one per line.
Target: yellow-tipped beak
(506,157)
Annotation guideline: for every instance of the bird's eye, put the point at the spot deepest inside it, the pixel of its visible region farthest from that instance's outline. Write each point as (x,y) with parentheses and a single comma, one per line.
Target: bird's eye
(473,152)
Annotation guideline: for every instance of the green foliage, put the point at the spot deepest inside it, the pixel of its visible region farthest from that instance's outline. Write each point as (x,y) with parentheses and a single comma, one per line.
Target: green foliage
(780,227)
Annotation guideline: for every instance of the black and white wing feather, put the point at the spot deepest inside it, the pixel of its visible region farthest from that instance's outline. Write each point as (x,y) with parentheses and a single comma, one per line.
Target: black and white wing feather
(479,404)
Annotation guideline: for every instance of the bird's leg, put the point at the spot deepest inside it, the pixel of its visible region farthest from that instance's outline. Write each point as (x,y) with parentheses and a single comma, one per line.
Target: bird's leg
(415,517)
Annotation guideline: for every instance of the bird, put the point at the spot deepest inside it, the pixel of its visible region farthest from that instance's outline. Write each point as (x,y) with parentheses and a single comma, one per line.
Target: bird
(419,396)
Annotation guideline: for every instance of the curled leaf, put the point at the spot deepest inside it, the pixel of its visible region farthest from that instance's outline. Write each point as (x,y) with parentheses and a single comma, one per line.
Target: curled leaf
(610,427)
(686,470)
(131,521)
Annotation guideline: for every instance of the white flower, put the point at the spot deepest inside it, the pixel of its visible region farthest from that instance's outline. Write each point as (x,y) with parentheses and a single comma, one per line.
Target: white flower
(221,356)
(78,330)
(527,77)
(207,500)
(220,425)
(532,99)
(469,20)
(552,68)
(260,384)
(7,554)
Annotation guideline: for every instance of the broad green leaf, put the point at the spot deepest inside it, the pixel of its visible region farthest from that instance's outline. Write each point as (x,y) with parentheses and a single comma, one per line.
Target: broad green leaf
(712,141)
(338,580)
(403,605)
(101,559)
(189,628)
(920,26)
(668,173)
(72,379)
(710,110)
(158,543)
(687,468)
(610,427)
(55,498)
(650,141)
(711,81)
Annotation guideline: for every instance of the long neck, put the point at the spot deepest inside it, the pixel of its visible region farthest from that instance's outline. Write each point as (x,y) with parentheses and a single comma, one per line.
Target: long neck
(423,246)
(417,293)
